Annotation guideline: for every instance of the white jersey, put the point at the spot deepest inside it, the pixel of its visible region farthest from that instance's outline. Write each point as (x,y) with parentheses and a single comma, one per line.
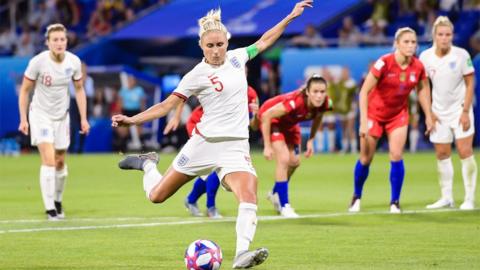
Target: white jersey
(446,74)
(222,92)
(51,94)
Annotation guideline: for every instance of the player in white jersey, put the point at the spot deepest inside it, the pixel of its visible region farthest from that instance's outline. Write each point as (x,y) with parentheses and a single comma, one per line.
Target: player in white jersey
(220,142)
(451,72)
(50,73)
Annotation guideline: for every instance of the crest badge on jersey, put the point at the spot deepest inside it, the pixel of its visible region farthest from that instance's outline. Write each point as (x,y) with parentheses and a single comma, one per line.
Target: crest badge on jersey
(182,160)
(68,72)
(452,65)
(235,62)
(413,78)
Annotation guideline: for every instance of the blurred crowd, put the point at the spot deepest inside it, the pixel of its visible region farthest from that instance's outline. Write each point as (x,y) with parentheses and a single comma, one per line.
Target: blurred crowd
(23,22)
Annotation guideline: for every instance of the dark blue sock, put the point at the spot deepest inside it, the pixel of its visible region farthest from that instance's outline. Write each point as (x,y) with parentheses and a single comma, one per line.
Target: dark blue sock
(397,174)
(199,187)
(212,187)
(360,176)
(275,187)
(282,190)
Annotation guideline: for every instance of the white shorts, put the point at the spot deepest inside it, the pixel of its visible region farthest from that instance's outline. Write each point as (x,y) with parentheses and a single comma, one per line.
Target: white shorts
(45,130)
(449,129)
(200,157)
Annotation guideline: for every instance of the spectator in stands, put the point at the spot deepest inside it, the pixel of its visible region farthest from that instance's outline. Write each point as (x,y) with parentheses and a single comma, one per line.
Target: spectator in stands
(309,38)
(475,43)
(133,101)
(348,35)
(99,25)
(7,40)
(380,12)
(42,15)
(375,35)
(471,5)
(25,43)
(99,108)
(68,12)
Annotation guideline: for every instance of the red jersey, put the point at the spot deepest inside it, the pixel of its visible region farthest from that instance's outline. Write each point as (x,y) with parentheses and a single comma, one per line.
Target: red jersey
(390,96)
(296,105)
(197,113)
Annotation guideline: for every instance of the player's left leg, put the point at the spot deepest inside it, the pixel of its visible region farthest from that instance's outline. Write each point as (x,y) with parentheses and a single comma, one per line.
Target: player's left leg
(282,154)
(61,173)
(469,171)
(396,143)
(244,186)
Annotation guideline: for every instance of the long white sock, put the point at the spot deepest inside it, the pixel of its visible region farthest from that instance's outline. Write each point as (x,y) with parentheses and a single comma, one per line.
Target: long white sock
(413,136)
(331,140)
(47,186)
(246,226)
(319,141)
(469,173)
(445,177)
(151,177)
(60,177)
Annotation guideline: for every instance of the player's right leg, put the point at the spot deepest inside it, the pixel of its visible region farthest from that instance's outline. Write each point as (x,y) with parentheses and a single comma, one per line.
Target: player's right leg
(282,156)
(244,186)
(469,170)
(368,145)
(442,139)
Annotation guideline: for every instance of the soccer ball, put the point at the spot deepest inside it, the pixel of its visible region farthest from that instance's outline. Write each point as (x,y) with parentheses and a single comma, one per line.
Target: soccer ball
(203,255)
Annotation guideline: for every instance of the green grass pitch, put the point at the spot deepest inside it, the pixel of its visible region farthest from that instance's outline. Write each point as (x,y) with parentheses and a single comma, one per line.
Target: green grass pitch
(111,225)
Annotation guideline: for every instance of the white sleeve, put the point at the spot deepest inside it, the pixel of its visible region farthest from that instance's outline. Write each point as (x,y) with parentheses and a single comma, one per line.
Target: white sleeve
(33,69)
(467,64)
(77,73)
(191,84)
(240,54)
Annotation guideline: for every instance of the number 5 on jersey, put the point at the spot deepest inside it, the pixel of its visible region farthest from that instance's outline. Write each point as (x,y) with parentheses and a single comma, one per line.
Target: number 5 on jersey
(218,84)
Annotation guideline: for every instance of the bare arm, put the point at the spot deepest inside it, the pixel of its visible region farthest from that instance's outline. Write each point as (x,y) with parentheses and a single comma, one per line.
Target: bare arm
(25,88)
(467,103)
(81,99)
(156,111)
(276,111)
(369,83)
(313,131)
(175,120)
(425,100)
(269,37)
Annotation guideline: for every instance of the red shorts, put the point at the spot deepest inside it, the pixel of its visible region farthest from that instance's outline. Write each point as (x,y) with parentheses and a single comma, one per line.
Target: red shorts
(376,127)
(291,135)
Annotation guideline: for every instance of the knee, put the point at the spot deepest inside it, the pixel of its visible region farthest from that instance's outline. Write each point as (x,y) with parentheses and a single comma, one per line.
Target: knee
(59,164)
(465,152)
(294,163)
(156,197)
(396,156)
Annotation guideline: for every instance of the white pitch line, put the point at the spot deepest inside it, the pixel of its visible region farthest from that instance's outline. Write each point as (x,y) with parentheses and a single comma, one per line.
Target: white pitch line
(227,219)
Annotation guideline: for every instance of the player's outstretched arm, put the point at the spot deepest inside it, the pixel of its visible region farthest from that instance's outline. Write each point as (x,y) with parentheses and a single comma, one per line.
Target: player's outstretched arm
(27,86)
(269,37)
(156,111)
(174,122)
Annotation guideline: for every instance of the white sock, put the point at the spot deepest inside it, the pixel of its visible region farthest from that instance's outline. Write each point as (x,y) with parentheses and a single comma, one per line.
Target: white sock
(353,146)
(445,177)
(47,186)
(151,177)
(319,141)
(246,226)
(469,173)
(413,136)
(60,177)
(331,140)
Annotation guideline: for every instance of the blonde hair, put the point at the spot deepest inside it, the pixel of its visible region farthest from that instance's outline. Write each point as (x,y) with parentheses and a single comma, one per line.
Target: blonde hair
(441,21)
(54,28)
(212,22)
(402,31)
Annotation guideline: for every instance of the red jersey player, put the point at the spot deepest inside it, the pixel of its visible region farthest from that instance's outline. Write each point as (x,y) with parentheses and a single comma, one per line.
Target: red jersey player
(384,108)
(279,117)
